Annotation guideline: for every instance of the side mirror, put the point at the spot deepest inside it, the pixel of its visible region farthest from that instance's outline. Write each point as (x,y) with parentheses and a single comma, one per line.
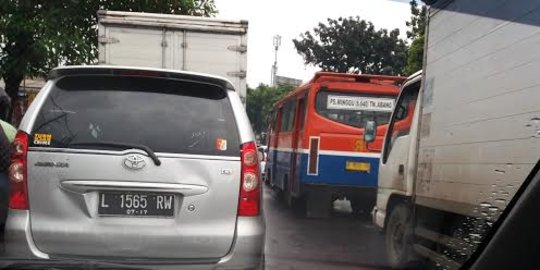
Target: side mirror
(370,131)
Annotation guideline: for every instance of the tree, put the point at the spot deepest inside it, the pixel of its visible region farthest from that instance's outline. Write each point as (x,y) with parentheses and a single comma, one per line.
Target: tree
(38,35)
(353,45)
(417,27)
(260,102)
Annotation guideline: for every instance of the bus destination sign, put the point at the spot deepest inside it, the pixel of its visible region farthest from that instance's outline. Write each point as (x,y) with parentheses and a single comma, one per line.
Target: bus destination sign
(360,103)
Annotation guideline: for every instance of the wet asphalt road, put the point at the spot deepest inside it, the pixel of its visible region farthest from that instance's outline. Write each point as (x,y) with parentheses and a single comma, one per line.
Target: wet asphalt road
(340,242)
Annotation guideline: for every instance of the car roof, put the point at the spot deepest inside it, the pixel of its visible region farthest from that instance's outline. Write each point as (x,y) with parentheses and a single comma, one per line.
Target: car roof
(139,71)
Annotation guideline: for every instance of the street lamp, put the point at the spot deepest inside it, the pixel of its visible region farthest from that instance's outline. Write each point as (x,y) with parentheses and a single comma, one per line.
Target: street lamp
(277,43)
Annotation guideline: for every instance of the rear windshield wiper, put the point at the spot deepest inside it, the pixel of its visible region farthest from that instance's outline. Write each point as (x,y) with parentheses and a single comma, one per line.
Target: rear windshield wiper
(143,147)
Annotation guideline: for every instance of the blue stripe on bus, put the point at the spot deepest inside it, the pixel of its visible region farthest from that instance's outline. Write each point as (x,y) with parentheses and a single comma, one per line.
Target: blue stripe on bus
(331,170)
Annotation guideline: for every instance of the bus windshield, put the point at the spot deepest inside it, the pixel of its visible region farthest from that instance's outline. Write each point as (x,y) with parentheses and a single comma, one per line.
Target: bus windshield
(354,109)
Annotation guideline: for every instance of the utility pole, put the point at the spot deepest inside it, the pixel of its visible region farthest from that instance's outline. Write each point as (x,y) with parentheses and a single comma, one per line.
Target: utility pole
(277,43)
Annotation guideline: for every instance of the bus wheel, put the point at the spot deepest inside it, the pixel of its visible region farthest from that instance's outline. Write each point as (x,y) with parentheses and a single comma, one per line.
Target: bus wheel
(398,237)
(266,178)
(318,203)
(285,192)
(297,204)
(361,207)
(290,200)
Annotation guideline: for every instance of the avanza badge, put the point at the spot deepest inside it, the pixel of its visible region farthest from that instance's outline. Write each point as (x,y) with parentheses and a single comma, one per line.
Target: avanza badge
(42,139)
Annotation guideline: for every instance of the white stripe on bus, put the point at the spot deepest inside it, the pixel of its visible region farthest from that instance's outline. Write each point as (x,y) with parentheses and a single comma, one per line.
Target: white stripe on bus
(330,152)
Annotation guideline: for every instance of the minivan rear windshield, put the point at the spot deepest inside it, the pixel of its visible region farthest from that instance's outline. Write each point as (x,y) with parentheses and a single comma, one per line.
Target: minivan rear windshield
(166,115)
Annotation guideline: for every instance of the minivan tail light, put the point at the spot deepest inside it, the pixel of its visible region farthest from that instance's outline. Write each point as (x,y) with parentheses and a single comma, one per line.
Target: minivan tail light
(250,158)
(18,188)
(250,189)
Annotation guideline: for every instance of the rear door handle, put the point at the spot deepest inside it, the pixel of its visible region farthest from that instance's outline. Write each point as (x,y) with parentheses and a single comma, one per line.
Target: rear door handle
(401,169)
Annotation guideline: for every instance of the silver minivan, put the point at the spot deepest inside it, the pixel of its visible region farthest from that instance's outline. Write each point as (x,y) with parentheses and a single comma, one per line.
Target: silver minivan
(142,167)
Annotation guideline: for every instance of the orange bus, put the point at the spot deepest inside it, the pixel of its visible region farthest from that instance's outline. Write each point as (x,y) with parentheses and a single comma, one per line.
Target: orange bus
(316,152)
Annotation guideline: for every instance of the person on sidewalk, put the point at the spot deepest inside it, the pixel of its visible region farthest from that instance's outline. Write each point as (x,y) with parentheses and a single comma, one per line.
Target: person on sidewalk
(5,104)
(7,135)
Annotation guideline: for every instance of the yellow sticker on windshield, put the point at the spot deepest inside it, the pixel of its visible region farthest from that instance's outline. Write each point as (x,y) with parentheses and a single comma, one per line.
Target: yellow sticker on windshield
(42,139)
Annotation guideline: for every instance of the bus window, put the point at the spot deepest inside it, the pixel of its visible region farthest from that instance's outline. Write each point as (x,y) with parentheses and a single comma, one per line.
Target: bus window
(271,126)
(354,109)
(292,112)
(272,121)
(302,114)
(287,116)
(284,118)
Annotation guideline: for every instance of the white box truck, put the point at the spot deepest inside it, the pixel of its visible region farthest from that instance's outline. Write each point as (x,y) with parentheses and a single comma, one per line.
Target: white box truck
(198,44)
(464,135)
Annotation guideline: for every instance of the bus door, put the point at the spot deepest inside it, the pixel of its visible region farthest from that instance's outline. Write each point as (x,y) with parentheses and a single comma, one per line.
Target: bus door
(297,146)
(273,143)
(269,142)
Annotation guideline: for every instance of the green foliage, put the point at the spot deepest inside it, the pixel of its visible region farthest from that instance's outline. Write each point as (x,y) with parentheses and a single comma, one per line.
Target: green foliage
(417,26)
(353,45)
(38,35)
(260,102)
(415,56)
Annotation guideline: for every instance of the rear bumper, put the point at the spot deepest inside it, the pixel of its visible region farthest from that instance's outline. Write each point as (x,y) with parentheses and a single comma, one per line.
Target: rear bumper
(18,238)
(342,190)
(246,253)
(332,171)
(248,250)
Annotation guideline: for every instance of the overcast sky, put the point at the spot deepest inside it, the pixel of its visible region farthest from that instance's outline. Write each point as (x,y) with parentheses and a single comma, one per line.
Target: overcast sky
(290,18)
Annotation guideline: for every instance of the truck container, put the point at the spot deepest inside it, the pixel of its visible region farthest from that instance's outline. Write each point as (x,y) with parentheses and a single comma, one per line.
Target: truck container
(198,44)
(464,134)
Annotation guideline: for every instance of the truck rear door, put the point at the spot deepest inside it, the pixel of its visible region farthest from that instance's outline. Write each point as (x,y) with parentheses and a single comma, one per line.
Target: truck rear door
(217,54)
(140,47)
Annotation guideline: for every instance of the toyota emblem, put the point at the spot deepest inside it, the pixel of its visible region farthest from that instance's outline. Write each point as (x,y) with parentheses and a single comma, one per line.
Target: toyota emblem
(134,162)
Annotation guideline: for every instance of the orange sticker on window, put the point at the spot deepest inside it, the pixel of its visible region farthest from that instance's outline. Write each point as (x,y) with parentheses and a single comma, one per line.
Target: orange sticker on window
(221,144)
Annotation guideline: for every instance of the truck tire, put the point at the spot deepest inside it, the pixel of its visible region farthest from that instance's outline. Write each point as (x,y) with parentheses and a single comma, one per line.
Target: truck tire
(398,237)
